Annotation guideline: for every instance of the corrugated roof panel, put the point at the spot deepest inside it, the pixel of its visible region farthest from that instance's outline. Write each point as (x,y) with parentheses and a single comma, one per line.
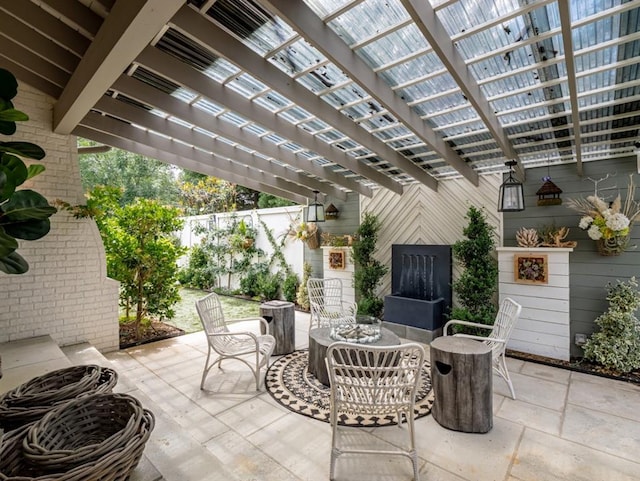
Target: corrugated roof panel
(247,85)
(221,70)
(326,7)
(366,18)
(208,106)
(393,46)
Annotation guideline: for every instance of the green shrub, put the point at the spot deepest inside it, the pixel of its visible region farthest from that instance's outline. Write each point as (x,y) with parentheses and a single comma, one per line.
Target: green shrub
(269,285)
(478,282)
(617,344)
(251,280)
(368,270)
(302,296)
(290,287)
(197,273)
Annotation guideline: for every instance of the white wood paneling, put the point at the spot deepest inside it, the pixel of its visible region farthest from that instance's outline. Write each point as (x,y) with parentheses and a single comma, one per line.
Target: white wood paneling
(346,274)
(543,326)
(422,216)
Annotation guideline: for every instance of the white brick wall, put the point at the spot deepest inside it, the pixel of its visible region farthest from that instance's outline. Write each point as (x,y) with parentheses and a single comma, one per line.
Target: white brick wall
(66,293)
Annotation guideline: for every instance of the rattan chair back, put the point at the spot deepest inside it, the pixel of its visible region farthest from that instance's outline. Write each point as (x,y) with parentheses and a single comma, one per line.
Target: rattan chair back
(328,308)
(375,381)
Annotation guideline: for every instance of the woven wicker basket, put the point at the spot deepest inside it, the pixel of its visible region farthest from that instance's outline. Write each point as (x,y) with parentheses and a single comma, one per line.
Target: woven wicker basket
(32,400)
(94,437)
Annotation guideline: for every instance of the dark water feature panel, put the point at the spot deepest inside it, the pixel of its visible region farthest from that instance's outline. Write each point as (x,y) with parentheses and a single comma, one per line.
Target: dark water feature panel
(420,286)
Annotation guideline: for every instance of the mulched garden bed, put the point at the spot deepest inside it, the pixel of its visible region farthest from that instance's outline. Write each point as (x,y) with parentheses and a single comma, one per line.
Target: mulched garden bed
(156,331)
(579,365)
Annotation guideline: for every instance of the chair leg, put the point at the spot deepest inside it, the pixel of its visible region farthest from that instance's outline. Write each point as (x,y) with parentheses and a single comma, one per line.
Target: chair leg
(206,368)
(412,453)
(501,368)
(335,451)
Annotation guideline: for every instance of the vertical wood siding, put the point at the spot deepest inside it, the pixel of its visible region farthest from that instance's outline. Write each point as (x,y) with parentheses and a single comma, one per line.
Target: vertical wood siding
(589,272)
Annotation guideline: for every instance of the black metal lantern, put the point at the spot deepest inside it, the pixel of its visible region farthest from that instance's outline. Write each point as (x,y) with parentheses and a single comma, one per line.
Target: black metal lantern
(511,196)
(315,210)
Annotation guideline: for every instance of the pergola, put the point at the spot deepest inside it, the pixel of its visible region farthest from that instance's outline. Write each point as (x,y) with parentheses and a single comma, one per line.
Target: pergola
(292,96)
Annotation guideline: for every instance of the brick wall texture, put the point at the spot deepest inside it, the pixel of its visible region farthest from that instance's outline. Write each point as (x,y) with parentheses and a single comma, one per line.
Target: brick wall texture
(66,293)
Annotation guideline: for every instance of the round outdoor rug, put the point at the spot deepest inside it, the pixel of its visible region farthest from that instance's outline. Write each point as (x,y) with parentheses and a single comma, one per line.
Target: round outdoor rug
(290,384)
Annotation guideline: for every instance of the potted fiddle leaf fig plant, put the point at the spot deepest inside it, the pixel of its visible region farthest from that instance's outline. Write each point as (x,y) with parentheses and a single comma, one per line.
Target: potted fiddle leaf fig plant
(24,213)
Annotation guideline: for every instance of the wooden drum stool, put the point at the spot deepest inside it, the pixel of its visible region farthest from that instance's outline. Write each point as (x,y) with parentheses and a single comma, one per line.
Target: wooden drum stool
(462,383)
(280,316)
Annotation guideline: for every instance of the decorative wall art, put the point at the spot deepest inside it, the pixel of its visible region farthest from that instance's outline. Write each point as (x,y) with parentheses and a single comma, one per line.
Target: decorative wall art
(336,259)
(531,268)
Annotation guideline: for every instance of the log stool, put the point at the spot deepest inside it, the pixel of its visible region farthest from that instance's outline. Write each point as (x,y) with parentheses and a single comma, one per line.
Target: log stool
(461,373)
(280,316)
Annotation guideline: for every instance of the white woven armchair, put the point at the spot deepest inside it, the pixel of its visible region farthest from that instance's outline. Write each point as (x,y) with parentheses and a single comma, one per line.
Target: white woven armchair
(498,336)
(327,305)
(233,345)
(375,381)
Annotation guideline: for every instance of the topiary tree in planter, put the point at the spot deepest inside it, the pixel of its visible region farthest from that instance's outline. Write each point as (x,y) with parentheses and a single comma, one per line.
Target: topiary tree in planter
(617,344)
(24,213)
(477,285)
(368,270)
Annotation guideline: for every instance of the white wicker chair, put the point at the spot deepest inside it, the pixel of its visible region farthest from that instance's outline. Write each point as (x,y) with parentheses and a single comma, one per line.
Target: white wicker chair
(378,381)
(327,306)
(498,337)
(232,345)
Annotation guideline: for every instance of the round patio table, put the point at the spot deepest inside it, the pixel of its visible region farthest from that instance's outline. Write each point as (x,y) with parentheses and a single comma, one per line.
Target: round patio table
(319,341)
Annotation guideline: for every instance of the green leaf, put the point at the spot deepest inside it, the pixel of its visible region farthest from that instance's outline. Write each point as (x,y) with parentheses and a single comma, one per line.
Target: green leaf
(14,263)
(13,115)
(34,169)
(8,84)
(25,205)
(24,149)
(16,173)
(29,230)
(7,243)
(8,128)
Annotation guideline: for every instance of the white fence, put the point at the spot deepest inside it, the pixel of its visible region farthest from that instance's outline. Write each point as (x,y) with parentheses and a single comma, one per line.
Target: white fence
(277,219)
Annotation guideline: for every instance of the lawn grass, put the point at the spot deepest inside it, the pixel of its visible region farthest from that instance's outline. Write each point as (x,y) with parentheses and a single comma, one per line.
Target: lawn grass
(186,317)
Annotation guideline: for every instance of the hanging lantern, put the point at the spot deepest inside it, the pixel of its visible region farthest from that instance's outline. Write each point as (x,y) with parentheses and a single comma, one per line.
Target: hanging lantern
(511,194)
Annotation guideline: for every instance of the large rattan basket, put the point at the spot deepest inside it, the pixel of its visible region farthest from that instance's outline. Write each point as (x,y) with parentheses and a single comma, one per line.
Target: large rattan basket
(32,400)
(94,437)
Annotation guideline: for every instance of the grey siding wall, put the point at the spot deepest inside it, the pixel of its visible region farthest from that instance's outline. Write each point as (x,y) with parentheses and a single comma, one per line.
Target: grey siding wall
(589,272)
(347,223)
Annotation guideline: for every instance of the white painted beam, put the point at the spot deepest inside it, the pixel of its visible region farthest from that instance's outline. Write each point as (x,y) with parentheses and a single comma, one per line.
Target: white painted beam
(150,96)
(302,18)
(147,144)
(180,73)
(205,32)
(128,29)
(567,42)
(205,142)
(432,29)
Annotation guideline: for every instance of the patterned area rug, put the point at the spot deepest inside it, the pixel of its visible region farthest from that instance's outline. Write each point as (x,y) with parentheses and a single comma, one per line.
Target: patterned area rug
(291,385)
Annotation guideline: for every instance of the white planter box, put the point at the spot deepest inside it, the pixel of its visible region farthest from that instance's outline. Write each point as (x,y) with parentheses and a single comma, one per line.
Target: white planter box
(543,326)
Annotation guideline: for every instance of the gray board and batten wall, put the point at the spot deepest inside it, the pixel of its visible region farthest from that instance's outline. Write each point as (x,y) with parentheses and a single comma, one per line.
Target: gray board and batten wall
(589,272)
(347,223)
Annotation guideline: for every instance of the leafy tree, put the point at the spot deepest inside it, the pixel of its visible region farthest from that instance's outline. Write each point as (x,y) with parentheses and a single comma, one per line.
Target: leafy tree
(266,201)
(136,175)
(368,270)
(478,282)
(141,251)
(206,195)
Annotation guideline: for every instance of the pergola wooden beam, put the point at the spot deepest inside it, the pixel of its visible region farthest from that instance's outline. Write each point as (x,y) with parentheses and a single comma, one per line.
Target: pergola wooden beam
(180,73)
(304,20)
(171,105)
(205,142)
(129,28)
(208,34)
(146,143)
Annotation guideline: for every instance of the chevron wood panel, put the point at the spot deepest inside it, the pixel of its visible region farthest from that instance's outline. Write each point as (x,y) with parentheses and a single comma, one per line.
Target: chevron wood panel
(422,216)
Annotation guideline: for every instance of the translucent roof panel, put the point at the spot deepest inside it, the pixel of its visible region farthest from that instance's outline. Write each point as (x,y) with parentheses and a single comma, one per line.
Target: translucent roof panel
(355,24)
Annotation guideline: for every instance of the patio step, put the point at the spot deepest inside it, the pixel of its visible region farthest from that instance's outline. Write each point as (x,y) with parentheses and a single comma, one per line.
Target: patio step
(22,360)
(168,440)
